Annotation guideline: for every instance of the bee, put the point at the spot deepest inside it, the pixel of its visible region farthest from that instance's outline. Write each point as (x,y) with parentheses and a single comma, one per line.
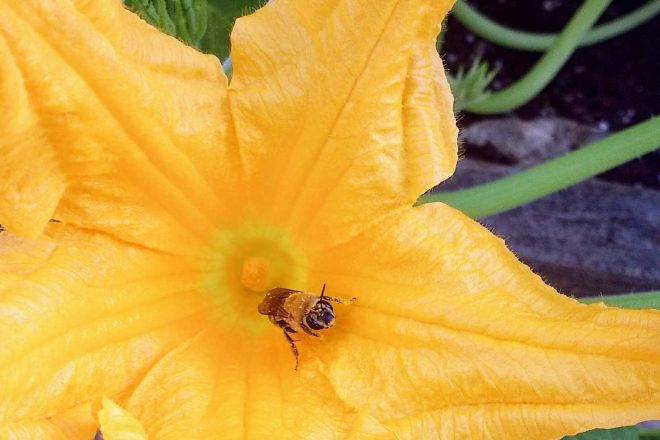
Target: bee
(296,311)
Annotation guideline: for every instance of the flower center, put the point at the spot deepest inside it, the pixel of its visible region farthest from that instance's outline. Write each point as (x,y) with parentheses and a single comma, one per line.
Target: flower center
(246,262)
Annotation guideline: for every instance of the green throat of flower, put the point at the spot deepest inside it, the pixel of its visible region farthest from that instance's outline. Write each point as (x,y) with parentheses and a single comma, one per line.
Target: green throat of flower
(246,262)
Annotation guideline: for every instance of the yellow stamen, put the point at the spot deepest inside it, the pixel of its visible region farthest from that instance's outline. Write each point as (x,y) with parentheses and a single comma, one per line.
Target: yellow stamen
(256,274)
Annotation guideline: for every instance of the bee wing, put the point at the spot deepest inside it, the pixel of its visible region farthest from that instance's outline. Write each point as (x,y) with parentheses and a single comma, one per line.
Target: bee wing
(273,302)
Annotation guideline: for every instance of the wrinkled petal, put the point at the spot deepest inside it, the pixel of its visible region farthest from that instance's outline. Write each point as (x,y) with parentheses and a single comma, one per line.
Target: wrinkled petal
(89,316)
(20,257)
(110,125)
(452,336)
(233,385)
(76,423)
(116,423)
(329,149)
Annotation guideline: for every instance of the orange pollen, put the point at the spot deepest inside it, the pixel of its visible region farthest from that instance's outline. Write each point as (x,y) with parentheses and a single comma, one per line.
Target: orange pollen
(256,273)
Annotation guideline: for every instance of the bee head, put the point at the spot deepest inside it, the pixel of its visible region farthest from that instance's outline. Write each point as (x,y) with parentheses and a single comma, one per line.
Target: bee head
(320,316)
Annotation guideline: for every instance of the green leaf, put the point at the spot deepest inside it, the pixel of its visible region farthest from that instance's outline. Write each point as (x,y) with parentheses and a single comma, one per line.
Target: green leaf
(626,433)
(184,19)
(203,24)
(221,17)
(190,18)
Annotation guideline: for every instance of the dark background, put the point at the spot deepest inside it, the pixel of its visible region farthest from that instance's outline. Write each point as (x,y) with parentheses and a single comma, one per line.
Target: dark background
(601,236)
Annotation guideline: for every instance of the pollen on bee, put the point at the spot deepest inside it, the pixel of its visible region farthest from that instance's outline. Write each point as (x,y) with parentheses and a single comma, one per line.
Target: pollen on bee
(255,274)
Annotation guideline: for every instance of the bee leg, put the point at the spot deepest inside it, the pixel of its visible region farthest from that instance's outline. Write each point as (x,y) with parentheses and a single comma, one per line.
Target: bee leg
(294,349)
(289,331)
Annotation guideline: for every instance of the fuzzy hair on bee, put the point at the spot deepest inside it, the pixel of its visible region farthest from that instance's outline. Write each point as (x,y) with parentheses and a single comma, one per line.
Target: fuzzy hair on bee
(297,311)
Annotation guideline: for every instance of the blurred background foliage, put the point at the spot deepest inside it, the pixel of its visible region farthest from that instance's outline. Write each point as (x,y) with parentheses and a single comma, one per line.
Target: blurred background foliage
(203,24)
(184,19)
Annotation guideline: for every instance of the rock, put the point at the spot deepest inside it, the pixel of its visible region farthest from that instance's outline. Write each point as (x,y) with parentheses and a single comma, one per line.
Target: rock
(514,141)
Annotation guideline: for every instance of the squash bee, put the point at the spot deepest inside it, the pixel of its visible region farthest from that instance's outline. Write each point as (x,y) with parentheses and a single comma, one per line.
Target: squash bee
(298,311)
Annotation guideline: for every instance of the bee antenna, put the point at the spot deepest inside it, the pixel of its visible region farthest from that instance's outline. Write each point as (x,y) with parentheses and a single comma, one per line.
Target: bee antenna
(322,292)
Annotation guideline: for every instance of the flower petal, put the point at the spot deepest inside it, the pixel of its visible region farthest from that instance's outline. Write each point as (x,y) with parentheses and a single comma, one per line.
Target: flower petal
(88,317)
(112,125)
(233,385)
(451,336)
(76,423)
(118,424)
(330,149)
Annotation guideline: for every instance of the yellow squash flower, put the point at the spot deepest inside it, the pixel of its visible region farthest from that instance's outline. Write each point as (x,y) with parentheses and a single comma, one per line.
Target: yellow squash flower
(180,200)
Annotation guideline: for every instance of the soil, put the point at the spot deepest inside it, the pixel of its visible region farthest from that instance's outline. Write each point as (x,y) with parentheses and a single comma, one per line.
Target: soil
(609,86)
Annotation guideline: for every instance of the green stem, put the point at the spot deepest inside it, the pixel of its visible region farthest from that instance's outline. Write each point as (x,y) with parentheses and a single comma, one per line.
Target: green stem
(526,88)
(539,42)
(642,300)
(553,175)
